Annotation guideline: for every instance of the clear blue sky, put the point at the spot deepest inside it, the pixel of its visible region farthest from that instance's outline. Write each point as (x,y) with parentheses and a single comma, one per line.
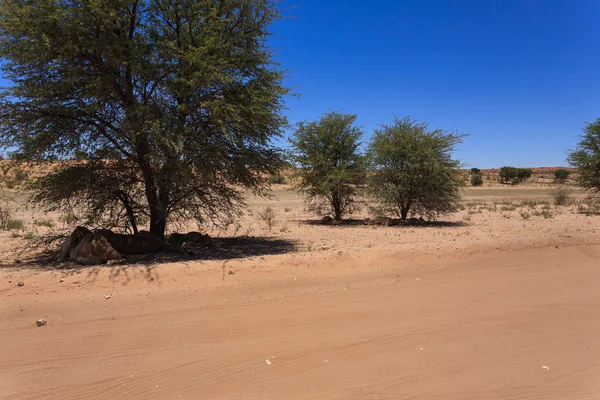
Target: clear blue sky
(522,77)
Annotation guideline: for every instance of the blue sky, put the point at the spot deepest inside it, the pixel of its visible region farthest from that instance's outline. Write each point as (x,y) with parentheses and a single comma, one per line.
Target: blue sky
(521,77)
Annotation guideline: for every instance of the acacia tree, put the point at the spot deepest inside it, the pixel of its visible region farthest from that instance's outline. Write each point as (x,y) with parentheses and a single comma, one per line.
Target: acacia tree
(586,157)
(330,166)
(181,98)
(413,171)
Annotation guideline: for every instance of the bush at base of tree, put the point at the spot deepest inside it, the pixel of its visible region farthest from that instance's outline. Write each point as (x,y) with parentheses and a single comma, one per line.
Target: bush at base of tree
(476,180)
(329,164)
(413,171)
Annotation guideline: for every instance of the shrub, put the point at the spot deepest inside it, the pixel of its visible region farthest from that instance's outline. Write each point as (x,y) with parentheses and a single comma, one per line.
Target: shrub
(267,216)
(44,222)
(561,196)
(14,224)
(524,214)
(561,175)
(475,171)
(476,180)
(29,235)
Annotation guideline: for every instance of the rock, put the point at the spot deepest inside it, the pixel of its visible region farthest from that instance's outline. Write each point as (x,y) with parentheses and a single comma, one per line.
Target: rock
(107,296)
(20,283)
(41,322)
(61,280)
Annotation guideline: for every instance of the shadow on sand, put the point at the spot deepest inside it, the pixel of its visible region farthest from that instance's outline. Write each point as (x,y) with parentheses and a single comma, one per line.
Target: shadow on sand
(392,223)
(221,249)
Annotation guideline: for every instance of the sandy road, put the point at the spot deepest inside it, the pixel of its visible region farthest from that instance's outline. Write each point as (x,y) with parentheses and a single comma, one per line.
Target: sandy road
(492,324)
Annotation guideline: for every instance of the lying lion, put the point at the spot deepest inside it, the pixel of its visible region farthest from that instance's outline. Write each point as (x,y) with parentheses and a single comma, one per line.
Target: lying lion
(141,243)
(85,247)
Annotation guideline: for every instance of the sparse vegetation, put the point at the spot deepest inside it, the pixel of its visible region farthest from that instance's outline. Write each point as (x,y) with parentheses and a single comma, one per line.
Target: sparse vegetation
(267,215)
(476,180)
(561,175)
(44,222)
(561,196)
(524,214)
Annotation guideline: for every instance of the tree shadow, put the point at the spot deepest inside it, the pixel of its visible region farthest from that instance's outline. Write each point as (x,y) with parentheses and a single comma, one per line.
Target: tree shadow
(221,249)
(391,223)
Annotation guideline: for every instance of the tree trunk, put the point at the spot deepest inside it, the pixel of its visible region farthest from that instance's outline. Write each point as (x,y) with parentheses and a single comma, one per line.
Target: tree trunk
(158,217)
(404,213)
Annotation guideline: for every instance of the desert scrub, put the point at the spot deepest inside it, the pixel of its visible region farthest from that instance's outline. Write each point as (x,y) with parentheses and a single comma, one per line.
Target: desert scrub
(267,215)
(561,196)
(524,214)
(44,222)
(69,218)
(14,225)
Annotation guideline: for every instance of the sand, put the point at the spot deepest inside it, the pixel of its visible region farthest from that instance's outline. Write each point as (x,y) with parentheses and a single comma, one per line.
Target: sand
(493,306)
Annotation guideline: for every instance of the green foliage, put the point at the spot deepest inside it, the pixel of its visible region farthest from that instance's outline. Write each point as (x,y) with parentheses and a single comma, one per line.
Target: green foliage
(329,165)
(13,224)
(475,171)
(586,157)
(561,175)
(184,96)
(514,175)
(267,215)
(413,170)
(44,222)
(29,235)
(476,180)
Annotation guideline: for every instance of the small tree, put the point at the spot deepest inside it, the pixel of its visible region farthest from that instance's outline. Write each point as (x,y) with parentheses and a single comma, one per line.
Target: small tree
(561,175)
(329,163)
(476,180)
(514,175)
(586,157)
(475,171)
(413,169)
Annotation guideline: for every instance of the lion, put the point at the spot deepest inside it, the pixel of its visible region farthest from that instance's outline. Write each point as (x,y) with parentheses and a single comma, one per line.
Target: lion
(94,249)
(72,241)
(140,243)
(85,247)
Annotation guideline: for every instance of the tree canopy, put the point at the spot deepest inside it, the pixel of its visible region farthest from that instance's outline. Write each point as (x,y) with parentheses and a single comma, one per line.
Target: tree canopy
(413,170)
(586,157)
(514,175)
(180,98)
(329,163)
